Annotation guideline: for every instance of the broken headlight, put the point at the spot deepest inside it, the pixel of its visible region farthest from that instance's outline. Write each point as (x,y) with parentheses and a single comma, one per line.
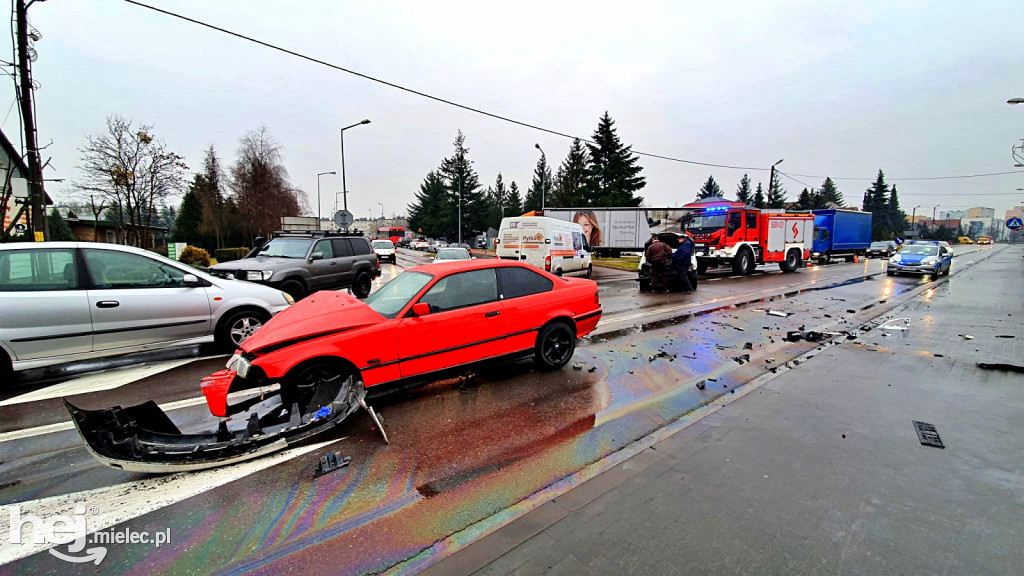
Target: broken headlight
(239,364)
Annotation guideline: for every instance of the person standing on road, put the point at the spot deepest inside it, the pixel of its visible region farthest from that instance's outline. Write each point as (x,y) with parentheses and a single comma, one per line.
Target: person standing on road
(682,260)
(657,255)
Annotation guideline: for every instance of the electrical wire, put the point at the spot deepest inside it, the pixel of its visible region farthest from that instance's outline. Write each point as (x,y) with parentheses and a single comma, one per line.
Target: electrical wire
(498,116)
(912,179)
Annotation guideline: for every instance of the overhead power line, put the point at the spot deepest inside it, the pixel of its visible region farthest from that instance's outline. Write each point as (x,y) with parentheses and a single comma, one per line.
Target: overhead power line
(919,178)
(484,112)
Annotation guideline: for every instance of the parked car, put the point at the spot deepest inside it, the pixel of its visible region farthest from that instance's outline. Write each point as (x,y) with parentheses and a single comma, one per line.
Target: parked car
(302,262)
(70,301)
(881,249)
(449,254)
(922,258)
(965,240)
(385,250)
(485,310)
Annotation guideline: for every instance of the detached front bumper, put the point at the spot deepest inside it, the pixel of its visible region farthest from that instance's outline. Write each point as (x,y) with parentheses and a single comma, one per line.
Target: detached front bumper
(143,438)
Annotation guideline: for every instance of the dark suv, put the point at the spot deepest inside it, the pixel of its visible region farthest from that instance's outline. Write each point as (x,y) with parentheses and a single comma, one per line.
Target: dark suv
(302,262)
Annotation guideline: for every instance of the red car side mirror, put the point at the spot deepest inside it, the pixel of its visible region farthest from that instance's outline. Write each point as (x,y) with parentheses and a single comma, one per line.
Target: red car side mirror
(421,309)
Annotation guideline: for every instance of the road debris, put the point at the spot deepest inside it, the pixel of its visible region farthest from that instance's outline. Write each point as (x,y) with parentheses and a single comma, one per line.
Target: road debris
(778,313)
(330,462)
(966,336)
(1000,366)
(742,358)
(577,366)
(890,324)
(928,435)
(701,384)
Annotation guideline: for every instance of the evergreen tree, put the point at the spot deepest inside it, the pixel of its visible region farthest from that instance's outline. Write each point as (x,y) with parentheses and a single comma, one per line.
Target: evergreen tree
(57,230)
(211,193)
(514,204)
(571,179)
(776,193)
(743,193)
(190,214)
(429,212)
(896,218)
(709,189)
(830,192)
(759,197)
(804,201)
(463,188)
(532,200)
(875,199)
(613,175)
(540,189)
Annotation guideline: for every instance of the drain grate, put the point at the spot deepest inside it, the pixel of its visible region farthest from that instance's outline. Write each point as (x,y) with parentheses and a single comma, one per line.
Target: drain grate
(927,434)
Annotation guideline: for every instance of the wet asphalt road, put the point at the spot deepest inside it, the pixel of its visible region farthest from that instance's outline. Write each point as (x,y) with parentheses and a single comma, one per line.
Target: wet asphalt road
(461,453)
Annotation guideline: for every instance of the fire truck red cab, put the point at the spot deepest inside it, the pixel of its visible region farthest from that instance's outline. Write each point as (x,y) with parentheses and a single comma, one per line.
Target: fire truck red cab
(732,233)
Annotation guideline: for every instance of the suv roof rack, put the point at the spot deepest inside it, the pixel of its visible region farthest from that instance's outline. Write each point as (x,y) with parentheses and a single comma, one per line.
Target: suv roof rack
(316,233)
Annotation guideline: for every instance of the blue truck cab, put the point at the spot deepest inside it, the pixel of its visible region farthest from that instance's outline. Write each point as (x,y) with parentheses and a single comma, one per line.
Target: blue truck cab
(840,234)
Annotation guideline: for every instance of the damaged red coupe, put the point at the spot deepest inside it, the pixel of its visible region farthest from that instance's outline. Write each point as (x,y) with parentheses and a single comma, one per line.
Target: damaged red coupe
(426,322)
(309,367)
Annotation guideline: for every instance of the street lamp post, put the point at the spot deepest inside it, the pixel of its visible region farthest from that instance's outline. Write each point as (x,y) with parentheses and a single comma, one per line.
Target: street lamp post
(771,175)
(460,209)
(318,196)
(542,185)
(913,218)
(341,133)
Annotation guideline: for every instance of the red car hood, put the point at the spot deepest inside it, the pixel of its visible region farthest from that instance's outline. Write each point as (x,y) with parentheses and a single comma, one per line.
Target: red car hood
(325,312)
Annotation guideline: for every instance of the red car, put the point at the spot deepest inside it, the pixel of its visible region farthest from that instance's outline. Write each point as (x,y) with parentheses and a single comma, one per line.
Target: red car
(427,321)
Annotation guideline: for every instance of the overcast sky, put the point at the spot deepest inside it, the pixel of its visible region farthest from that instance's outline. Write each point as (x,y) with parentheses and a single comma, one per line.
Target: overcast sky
(916,88)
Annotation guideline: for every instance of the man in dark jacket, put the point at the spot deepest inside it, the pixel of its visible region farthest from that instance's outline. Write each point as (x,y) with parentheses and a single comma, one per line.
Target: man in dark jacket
(682,259)
(657,255)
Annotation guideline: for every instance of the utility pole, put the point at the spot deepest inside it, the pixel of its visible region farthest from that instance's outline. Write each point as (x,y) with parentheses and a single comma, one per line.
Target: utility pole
(35,176)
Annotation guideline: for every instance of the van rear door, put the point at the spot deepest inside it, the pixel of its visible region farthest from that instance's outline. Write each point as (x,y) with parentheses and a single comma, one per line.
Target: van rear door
(511,245)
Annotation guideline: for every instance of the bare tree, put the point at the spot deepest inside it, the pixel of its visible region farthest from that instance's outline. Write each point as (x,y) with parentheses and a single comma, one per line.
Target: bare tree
(132,172)
(260,182)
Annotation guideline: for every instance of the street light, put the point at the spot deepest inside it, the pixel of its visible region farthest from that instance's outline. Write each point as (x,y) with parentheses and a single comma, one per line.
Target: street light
(913,218)
(1015,101)
(545,158)
(381,204)
(341,133)
(318,197)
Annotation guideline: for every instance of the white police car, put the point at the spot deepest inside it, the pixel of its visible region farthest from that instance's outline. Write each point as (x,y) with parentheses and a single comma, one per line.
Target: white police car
(930,258)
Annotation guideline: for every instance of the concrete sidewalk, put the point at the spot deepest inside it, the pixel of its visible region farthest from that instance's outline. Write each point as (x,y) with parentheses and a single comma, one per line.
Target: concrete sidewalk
(819,470)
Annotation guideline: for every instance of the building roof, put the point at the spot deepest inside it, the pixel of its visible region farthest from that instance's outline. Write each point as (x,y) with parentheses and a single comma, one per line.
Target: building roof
(15,157)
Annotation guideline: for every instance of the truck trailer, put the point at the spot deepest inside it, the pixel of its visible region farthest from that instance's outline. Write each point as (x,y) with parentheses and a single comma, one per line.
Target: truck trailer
(840,234)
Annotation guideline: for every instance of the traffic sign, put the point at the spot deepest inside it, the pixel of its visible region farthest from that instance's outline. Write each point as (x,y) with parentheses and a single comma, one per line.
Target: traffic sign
(1014,224)
(899,240)
(343,219)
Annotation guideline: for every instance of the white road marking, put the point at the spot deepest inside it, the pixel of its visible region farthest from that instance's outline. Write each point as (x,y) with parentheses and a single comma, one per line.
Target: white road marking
(96,382)
(713,279)
(123,502)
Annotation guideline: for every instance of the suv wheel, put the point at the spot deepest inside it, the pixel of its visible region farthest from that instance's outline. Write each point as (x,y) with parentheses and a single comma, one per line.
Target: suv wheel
(294,288)
(362,285)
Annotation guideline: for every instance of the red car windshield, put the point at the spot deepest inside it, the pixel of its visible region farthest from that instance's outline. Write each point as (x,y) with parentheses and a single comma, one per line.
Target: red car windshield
(390,298)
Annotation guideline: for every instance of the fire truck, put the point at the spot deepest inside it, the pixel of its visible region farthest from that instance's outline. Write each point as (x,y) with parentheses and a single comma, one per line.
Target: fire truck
(732,233)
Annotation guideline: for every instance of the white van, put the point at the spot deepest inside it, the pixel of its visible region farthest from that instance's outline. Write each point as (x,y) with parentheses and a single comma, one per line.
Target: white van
(547,243)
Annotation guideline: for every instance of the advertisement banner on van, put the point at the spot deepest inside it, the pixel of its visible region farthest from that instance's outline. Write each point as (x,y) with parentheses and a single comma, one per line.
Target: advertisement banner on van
(623,227)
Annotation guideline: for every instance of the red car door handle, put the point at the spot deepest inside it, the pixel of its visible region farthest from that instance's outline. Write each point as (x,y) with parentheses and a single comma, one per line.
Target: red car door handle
(491,314)
(108,304)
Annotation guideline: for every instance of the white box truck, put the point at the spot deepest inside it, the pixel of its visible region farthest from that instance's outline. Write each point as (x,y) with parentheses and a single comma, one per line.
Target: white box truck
(547,243)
